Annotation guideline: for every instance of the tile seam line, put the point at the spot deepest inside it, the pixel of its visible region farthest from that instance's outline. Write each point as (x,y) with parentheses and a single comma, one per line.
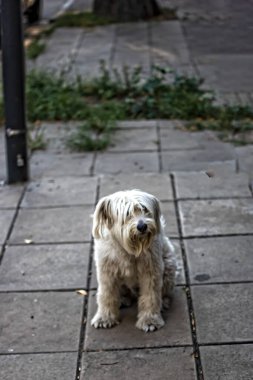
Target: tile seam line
(84,320)
(191,313)
(11,227)
(140,348)
(37,353)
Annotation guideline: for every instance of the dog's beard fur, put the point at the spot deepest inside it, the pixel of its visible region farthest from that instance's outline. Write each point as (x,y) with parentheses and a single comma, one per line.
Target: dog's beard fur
(119,214)
(133,241)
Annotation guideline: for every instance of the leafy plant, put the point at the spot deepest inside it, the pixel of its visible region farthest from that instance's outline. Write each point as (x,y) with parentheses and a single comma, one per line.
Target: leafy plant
(128,94)
(35,48)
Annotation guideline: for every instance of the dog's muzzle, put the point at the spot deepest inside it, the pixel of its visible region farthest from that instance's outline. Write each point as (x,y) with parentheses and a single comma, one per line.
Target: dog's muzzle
(142,226)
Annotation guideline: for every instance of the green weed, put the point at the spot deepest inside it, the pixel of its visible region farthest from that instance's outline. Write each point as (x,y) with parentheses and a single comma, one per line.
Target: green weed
(80,20)
(127,94)
(36,48)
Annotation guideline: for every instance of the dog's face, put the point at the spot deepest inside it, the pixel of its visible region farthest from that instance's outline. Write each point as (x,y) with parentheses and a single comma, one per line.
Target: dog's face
(131,217)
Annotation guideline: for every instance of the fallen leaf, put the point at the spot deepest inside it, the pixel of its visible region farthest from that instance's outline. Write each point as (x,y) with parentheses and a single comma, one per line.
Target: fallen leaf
(28,241)
(82,292)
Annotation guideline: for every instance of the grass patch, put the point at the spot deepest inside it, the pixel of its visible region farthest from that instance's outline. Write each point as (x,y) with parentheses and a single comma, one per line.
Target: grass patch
(36,48)
(100,102)
(36,142)
(80,20)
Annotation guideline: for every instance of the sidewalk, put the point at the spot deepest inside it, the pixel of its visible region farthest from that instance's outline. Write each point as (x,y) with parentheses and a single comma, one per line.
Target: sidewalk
(47,250)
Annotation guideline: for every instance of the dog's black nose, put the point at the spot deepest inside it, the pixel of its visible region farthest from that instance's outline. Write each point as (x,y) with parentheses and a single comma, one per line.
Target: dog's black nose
(141,226)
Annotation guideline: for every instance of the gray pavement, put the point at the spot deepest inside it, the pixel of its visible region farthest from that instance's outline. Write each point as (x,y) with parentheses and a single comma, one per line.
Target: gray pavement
(46,248)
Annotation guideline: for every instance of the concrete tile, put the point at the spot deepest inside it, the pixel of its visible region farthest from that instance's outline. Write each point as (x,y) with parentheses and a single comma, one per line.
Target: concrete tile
(144,139)
(54,225)
(180,277)
(177,139)
(57,56)
(117,163)
(171,50)
(60,165)
(200,185)
(175,332)
(56,135)
(223,312)
(223,72)
(155,183)
(61,191)
(41,322)
(216,217)
(245,159)
(196,160)
(10,195)
(3,173)
(6,217)
(40,366)
(42,267)
(231,362)
(95,45)
(132,46)
(2,140)
(127,124)
(168,211)
(223,259)
(156,364)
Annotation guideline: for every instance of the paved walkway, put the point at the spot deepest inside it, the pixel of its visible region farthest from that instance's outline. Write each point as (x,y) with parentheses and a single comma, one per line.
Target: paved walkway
(46,245)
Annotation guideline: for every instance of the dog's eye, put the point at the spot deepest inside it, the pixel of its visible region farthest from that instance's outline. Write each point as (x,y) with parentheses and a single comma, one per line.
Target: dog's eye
(144,208)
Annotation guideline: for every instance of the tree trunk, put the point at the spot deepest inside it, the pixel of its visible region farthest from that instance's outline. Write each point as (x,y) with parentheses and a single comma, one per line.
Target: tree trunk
(126,10)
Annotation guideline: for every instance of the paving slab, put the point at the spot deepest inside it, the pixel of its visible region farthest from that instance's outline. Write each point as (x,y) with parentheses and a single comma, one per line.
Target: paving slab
(216,217)
(53,225)
(95,46)
(156,364)
(60,165)
(117,163)
(45,267)
(232,362)
(2,167)
(127,124)
(223,312)
(230,33)
(127,140)
(131,46)
(176,139)
(180,277)
(6,217)
(56,135)
(38,367)
(201,185)
(10,195)
(221,71)
(175,332)
(223,259)
(196,160)
(245,159)
(171,50)
(61,191)
(2,140)
(60,46)
(171,226)
(40,322)
(154,183)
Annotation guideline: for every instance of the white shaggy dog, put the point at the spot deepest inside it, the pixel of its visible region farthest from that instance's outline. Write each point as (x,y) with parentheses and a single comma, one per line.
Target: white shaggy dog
(133,256)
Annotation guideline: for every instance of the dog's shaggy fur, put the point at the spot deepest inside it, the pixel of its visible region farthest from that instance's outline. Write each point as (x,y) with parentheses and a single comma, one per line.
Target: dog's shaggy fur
(133,256)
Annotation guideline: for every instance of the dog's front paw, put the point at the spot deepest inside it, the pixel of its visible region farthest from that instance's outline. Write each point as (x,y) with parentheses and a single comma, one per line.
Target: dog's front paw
(100,321)
(149,323)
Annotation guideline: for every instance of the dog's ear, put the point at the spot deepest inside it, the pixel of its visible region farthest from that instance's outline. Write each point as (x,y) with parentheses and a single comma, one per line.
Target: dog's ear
(157,212)
(102,217)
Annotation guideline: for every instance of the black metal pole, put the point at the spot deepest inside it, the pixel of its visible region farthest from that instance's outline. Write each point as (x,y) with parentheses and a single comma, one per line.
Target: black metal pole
(14,90)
